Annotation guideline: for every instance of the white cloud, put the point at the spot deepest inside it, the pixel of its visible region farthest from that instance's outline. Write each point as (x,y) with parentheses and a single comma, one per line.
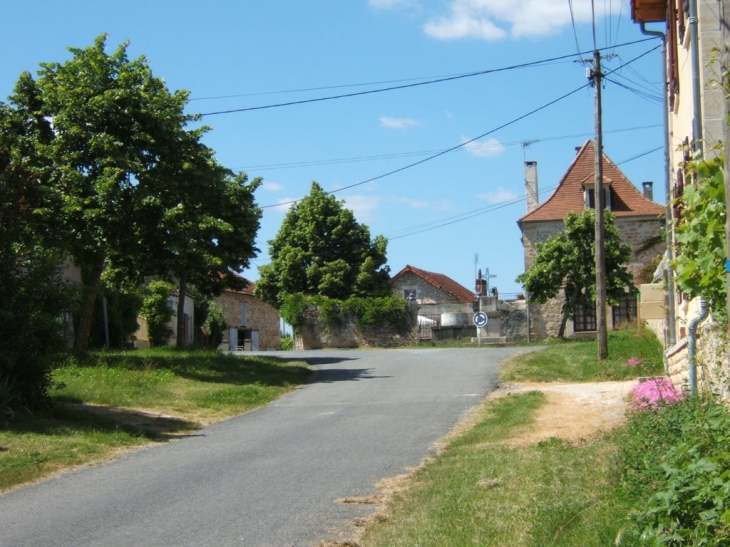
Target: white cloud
(500,195)
(398,123)
(284,204)
(272,186)
(362,206)
(488,148)
(496,19)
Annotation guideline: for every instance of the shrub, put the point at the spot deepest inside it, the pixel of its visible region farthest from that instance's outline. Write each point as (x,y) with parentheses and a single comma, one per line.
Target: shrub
(157,311)
(677,457)
(287,343)
(653,392)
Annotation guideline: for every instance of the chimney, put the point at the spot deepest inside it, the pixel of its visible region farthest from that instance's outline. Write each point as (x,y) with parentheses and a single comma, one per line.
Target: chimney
(531,185)
(648,190)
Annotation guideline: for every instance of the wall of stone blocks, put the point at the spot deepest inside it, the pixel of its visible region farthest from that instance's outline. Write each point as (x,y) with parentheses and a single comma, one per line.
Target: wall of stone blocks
(426,293)
(261,317)
(315,334)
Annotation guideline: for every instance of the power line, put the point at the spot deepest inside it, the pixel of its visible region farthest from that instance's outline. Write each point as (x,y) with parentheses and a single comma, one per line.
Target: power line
(405,86)
(441,153)
(358,159)
(419,228)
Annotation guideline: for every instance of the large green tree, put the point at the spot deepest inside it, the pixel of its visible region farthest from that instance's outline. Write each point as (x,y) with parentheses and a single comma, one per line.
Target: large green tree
(95,129)
(321,249)
(206,227)
(32,292)
(567,261)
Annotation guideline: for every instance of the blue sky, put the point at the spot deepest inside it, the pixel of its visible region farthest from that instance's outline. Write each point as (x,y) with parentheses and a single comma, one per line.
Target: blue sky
(440,213)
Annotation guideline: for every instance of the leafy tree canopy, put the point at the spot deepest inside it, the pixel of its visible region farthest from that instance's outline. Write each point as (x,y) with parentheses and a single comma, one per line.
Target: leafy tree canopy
(94,129)
(567,260)
(321,249)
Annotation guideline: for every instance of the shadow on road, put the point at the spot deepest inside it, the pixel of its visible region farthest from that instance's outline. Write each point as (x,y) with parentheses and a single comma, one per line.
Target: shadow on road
(343,375)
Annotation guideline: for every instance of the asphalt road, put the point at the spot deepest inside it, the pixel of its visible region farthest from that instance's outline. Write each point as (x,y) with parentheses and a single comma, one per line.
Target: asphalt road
(269,478)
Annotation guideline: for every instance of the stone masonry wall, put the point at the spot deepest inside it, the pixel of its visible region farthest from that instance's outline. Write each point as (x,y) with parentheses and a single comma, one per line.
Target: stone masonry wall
(261,317)
(316,335)
(426,293)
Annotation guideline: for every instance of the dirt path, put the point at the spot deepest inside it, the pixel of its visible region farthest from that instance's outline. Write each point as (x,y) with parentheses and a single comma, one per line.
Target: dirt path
(574,411)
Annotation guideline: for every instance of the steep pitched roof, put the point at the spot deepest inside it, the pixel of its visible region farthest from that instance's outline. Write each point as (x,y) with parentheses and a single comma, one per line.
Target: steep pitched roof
(626,199)
(439,281)
(248,289)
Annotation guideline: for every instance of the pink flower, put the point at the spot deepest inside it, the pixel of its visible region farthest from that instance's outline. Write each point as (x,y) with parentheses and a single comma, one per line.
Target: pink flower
(651,392)
(633,362)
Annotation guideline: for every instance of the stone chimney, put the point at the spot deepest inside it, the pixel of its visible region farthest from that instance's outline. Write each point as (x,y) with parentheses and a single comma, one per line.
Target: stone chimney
(531,185)
(648,187)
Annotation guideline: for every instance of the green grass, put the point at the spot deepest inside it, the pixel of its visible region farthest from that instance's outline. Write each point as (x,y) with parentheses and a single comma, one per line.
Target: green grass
(117,400)
(481,492)
(575,361)
(201,385)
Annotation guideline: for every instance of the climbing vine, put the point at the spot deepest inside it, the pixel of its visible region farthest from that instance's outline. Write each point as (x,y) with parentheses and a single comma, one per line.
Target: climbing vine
(700,257)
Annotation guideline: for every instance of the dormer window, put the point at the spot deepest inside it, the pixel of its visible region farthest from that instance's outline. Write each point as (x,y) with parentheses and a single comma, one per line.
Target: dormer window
(589,192)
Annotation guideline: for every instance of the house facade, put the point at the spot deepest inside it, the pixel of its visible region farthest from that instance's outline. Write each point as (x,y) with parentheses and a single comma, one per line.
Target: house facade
(695,125)
(638,218)
(253,325)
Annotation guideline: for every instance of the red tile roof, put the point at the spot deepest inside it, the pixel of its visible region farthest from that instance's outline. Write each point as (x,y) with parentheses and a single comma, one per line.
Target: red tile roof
(440,281)
(248,289)
(626,199)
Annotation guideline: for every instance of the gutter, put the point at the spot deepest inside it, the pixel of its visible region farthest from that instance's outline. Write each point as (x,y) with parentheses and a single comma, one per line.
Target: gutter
(694,44)
(692,345)
(668,277)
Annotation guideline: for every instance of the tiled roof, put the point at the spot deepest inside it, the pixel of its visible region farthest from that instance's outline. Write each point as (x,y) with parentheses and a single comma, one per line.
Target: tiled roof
(439,281)
(248,289)
(626,199)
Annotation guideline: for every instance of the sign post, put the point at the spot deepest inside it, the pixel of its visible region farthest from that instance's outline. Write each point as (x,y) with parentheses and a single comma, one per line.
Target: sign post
(480,320)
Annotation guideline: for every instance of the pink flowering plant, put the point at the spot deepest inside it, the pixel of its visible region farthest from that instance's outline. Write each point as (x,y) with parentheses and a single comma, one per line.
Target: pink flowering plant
(633,362)
(652,393)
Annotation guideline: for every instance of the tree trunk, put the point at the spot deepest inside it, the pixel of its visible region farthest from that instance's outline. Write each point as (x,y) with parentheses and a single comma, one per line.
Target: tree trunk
(180,339)
(91,286)
(567,306)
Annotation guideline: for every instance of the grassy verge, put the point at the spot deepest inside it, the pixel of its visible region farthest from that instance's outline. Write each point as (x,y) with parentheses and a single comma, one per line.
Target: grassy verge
(481,491)
(632,354)
(114,401)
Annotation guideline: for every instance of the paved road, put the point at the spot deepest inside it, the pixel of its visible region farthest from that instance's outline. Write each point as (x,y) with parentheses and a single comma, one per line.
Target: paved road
(268,478)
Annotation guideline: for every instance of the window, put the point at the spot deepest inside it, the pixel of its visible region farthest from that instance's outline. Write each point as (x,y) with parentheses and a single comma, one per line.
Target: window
(244,314)
(625,312)
(410,295)
(584,317)
(590,197)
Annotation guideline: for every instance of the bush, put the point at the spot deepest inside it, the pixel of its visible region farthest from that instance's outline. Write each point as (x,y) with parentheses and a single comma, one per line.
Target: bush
(677,457)
(287,343)
(157,311)
(215,324)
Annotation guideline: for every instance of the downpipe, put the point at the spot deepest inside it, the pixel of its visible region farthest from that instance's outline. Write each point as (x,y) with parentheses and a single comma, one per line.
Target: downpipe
(692,345)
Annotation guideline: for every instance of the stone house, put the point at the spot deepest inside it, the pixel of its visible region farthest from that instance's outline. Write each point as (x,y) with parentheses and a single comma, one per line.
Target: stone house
(253,325)
(639,219)
(442,302)
(695,122)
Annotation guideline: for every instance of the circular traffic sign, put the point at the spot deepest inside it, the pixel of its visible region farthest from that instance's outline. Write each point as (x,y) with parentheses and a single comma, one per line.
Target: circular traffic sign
(480,319)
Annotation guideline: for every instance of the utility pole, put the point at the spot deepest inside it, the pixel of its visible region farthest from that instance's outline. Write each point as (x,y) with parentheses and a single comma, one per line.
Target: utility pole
(601,329)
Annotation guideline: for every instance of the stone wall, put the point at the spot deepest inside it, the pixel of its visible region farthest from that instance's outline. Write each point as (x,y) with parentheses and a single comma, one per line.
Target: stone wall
(259,316)
(425,292)
(316,335)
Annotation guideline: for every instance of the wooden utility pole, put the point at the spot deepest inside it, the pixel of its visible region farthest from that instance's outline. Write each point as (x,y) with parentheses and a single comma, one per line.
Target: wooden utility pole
(601,330)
